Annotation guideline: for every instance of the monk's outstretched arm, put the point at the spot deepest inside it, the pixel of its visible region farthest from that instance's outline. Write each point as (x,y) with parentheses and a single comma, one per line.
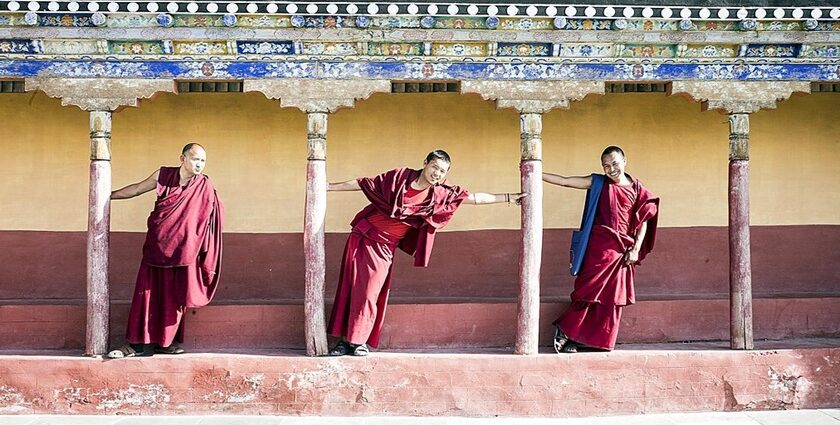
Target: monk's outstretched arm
(632,255)
(343,186)
(136,189)
(494,198)
(576,182)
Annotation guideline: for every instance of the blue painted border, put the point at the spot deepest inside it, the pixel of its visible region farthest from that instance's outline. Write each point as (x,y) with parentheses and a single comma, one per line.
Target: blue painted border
(418,70)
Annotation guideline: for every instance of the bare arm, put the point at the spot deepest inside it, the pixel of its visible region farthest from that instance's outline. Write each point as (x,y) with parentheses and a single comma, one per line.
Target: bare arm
(494,198)
(138,188)
(343,186)
(632,256)
(576,182)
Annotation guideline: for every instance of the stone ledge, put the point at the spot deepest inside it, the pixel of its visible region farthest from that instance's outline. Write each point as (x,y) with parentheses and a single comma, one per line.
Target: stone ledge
(465,325)
(631,381)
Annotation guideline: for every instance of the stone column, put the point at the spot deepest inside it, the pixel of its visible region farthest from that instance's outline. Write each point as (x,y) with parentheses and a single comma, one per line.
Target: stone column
(100,97)
(531,99)
(317,98)
(740,270)
(98,234)
(738,100)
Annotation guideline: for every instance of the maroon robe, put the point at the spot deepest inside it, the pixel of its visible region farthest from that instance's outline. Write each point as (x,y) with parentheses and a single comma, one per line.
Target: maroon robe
(182,259)
(605,282)
(365,281)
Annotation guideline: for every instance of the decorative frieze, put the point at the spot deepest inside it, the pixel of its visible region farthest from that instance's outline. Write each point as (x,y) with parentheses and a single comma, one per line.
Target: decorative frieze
(419,70)
(450,10)
(739,97)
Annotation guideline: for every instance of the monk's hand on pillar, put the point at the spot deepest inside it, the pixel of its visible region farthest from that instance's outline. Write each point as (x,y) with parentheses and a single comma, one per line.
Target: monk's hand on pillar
(631,256)
(516,198)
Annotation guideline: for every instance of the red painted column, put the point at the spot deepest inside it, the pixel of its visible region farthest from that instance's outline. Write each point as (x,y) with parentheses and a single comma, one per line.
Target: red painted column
(528,306)
(98,243)
(740,270)
(313,234)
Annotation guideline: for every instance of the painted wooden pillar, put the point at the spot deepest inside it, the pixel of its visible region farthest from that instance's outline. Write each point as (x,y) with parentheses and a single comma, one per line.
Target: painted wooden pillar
(740,271)
(313,234)
(316,97)
(530,167)
(99,96)
(98,242)
(739,99)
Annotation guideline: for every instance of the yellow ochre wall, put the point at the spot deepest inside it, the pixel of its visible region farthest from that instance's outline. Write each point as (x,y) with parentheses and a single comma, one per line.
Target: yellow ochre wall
(256,156)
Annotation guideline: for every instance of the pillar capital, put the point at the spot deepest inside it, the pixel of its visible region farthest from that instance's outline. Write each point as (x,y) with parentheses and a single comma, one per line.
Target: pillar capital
(100,94)
(742,97)
(315,95)
(533,96)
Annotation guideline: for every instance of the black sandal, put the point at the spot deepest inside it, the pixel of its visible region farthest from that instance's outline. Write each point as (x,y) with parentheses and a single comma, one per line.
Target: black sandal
(361,350)
(570,347)
(560,339)
(129,350)
(171,349)
(341,349)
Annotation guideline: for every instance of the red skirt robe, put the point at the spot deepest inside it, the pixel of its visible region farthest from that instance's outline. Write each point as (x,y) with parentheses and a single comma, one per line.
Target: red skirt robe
(605,282)
(181,259)
(398,217)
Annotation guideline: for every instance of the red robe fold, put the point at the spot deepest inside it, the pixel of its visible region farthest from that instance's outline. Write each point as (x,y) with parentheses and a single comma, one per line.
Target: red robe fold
(605,283)
(364,284)
(182,258)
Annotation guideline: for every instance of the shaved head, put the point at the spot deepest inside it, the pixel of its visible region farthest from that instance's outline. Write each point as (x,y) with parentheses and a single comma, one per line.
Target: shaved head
(189,146)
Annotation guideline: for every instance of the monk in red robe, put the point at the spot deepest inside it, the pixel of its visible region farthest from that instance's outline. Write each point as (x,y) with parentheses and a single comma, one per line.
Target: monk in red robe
(182,255)
(406,207)
(622,235)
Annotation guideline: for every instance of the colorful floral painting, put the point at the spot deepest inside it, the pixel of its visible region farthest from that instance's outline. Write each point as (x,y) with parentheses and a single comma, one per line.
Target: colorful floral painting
(575,50)
(459,49)
(588,24)
(265,47)
(263,21)
(65,20)
(319,48)
(135,47)
(524,49)
(823,51)
(707,51)
(395,49)
(648,51)
(201,47)
(773,50)
(525,24)
(17,46)
(458,22)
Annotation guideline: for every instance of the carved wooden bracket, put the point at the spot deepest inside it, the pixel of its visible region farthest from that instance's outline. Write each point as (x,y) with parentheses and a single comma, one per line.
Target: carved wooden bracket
(311,95)
(533,96)
(743,97)
(99,94)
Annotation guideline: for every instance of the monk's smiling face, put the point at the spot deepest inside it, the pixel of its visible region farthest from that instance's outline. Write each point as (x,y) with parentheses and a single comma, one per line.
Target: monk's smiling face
(434,171)
(614,163)
(194,160)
